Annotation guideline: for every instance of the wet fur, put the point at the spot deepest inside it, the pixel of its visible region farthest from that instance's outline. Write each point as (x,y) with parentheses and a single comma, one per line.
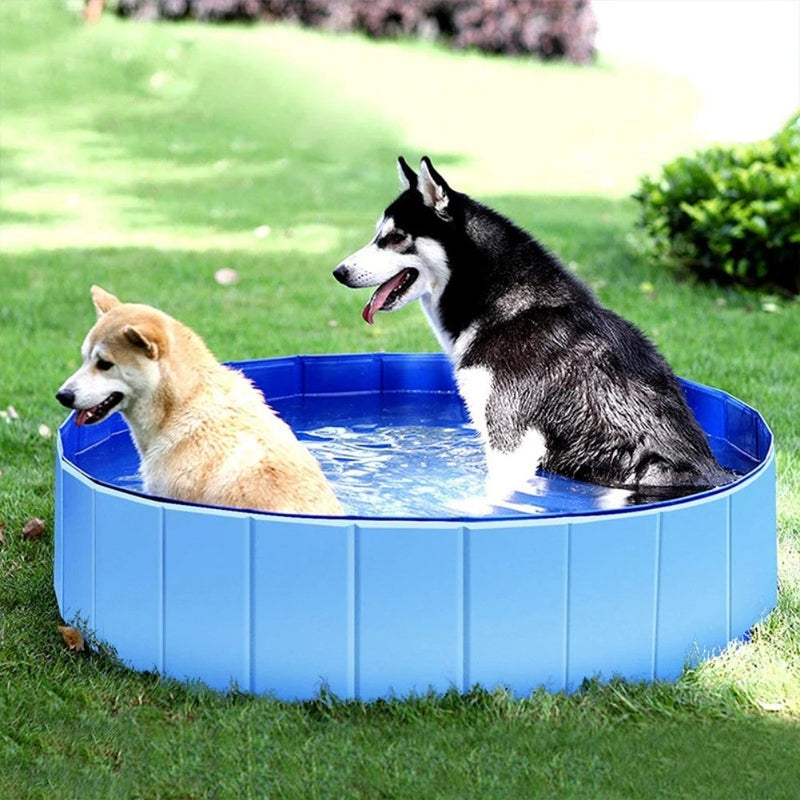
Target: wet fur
(551,378)
(203,432)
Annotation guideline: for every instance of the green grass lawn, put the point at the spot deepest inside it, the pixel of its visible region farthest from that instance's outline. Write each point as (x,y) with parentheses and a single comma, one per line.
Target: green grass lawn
(146,157)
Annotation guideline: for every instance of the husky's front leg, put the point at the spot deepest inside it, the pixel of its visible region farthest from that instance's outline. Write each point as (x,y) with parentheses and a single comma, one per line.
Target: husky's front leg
(513,452)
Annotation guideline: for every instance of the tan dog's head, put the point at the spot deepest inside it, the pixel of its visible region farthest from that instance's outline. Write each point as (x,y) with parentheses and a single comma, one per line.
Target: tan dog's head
(121,356)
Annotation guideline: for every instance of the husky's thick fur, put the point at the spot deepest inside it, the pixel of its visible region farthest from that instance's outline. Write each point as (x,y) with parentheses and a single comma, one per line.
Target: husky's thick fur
(203,432)
(551,378)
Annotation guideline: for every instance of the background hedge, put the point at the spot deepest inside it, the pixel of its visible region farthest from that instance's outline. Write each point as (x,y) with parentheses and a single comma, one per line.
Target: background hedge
(730,214)
(547,29)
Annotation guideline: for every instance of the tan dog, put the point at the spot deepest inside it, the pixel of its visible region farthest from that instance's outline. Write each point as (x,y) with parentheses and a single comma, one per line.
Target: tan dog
(203,432)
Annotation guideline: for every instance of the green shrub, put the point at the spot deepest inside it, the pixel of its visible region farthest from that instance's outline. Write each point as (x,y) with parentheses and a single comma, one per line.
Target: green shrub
(730,214)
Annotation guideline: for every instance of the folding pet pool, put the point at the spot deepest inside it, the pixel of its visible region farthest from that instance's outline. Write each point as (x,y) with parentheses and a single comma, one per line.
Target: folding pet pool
(561,584)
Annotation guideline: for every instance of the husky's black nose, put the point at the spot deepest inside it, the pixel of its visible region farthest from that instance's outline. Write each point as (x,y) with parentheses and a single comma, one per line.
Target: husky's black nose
(66,397)
(341,273)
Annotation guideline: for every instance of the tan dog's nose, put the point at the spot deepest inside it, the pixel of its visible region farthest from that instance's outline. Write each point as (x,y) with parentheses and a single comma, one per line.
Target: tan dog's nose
(66,397)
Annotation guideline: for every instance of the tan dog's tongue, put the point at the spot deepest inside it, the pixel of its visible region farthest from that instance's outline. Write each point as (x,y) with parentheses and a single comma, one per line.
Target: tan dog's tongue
(379,298)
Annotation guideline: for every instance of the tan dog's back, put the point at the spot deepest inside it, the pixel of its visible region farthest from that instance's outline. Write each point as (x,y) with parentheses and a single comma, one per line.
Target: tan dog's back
(232,450)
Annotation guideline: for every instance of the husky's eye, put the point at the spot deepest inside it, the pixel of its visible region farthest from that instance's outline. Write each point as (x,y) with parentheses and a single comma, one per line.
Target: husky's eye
(394,237)
(103,365)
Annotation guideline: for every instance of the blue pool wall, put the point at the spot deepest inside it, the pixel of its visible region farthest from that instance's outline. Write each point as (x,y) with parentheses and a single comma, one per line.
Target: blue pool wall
(374,608)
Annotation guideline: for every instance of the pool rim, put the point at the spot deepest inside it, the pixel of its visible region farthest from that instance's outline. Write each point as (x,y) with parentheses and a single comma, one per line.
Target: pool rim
(525,518)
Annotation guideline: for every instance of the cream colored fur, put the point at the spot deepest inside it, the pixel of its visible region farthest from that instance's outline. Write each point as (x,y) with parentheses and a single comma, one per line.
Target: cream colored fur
(203,432)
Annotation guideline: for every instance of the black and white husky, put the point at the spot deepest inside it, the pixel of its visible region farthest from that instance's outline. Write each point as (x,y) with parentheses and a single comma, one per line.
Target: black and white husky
(551,378)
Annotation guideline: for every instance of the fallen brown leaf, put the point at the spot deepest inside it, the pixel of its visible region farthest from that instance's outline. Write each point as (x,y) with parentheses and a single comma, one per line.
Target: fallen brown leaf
(33,529)
(2,532)
(72,637)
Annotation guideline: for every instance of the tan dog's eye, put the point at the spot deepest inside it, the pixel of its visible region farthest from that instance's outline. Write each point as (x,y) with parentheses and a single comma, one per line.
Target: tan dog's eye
(103,365)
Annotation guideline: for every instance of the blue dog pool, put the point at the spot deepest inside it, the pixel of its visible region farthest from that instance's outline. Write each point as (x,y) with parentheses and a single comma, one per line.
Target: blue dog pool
(421,586)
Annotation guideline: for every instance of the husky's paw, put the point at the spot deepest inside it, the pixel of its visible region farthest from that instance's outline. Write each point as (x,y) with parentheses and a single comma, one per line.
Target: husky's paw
(509,471)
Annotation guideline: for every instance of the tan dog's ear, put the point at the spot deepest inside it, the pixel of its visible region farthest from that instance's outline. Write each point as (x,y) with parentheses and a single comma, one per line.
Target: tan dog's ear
(103,301)
(147,339)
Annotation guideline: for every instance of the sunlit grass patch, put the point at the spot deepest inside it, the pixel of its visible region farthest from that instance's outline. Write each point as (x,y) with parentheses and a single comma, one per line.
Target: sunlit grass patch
(162,128)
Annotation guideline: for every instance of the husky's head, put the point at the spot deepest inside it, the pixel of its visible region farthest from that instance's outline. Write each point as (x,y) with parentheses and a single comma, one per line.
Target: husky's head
(406,259)
(120,360)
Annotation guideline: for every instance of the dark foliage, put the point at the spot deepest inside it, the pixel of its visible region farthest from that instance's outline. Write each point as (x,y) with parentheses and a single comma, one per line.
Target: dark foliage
(202,10)
(545,28)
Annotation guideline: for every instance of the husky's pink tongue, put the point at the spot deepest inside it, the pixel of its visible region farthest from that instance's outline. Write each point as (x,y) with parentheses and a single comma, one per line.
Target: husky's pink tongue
(82,416)
(381,293)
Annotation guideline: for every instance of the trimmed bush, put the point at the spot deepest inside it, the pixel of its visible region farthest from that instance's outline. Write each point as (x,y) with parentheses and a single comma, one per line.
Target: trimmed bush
(548,29)
(730,214)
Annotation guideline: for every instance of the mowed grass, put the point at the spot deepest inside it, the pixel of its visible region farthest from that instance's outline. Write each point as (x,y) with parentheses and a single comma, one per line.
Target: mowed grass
(145,158)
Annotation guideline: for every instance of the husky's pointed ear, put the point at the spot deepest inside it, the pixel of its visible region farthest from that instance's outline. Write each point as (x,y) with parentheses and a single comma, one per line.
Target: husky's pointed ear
(433,188)
(144,337)
(103,301)
(408,178)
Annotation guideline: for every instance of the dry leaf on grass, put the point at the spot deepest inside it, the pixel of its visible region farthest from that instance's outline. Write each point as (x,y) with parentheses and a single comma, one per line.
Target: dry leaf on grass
(72,637)
(33,529)
(2,533)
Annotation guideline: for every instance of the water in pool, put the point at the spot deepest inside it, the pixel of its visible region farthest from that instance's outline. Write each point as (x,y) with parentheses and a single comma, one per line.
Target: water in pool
(399,457)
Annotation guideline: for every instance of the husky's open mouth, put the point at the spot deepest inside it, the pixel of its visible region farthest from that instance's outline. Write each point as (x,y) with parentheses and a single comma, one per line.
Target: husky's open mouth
(388,293)
(88,416)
